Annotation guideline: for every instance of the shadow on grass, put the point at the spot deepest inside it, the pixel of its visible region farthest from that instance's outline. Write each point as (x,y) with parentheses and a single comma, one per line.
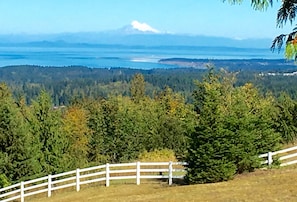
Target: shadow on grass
(175,181)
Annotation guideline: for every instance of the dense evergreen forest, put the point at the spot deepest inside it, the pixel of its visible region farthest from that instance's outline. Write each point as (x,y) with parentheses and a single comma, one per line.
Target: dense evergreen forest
(65,84)
(54,119)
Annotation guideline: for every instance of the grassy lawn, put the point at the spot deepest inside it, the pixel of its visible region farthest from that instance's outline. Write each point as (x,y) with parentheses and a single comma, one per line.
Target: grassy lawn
(262,185)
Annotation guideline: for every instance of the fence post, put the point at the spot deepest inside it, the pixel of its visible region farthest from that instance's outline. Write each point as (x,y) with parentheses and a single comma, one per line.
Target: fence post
(77,179)
(49,186)
(138,173)
(107,175)
(170,173)
(22,192)
(270,160)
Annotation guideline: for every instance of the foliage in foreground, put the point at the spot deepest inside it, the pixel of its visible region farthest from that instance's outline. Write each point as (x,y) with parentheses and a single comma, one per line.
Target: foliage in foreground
(235,124)
(229,127)
(40,139)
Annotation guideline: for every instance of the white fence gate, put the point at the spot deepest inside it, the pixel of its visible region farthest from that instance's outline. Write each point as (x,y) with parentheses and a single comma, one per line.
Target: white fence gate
(105,173)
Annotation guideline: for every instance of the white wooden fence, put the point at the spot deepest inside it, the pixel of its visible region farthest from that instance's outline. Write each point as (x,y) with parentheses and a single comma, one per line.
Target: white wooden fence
(108,172)
(104,173)
(286,156)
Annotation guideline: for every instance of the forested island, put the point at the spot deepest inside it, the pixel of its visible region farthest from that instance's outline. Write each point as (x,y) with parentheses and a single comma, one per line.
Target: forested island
(233,64)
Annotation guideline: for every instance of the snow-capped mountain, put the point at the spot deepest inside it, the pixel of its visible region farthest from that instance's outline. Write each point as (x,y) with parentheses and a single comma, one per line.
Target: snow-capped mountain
(136,27)
(143,27)
(135,34)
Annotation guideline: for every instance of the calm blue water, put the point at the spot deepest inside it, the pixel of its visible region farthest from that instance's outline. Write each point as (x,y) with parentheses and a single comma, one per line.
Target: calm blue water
(119,56)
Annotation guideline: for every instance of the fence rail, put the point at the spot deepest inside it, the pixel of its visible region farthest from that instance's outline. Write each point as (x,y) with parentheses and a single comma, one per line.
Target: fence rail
(105,173)
(285,157)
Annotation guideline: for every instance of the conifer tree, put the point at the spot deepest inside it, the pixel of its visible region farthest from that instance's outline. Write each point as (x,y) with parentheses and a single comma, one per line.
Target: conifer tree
(285,121)
(137,88)
(46,127)
(102,123)
(17,160)
(235,125)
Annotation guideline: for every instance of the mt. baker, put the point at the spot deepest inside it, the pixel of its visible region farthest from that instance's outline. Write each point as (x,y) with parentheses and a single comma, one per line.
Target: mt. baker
(134,34)
(137,27)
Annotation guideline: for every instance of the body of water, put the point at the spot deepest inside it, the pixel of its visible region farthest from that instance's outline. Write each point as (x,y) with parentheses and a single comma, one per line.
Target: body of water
(121,56)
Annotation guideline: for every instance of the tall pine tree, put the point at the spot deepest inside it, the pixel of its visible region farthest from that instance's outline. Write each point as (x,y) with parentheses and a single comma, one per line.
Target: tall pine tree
(46,127)
(235,125)
(17,157)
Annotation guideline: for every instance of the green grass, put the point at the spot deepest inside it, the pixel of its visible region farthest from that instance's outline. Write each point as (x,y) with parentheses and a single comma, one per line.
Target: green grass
(262,185)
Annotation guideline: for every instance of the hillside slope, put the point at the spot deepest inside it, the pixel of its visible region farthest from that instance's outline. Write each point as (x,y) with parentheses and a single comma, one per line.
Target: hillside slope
(262,185)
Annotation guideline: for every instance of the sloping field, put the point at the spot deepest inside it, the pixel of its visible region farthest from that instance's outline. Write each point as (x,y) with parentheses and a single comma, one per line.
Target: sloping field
(262,185)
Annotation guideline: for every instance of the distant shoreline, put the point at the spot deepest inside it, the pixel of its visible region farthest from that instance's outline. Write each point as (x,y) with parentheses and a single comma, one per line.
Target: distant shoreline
(262,65)
(230,63)
(142,57)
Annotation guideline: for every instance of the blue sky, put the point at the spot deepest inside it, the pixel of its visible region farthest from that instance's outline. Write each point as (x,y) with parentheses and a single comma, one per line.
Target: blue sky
(197,17)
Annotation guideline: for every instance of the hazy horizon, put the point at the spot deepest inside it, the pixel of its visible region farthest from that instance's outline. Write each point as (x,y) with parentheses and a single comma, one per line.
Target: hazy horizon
(208,18)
